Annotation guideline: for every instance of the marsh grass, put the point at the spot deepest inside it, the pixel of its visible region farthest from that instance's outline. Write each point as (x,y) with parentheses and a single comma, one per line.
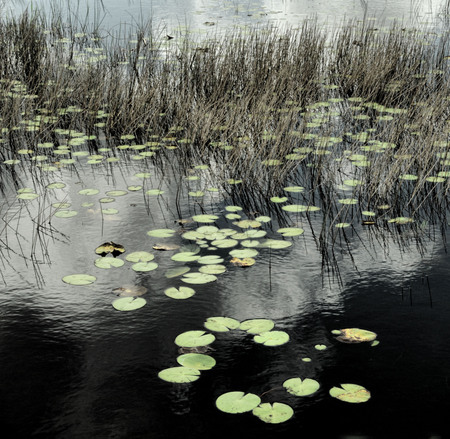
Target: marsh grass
(268,107)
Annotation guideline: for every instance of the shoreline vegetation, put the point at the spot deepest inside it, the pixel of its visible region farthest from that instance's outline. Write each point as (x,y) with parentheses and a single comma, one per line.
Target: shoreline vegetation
(358,119)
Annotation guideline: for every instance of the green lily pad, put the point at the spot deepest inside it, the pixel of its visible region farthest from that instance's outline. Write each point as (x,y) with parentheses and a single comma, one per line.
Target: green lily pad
(295,189)
(295,208)
(88,191)
(129,303)
(348,201)
(161,233)
(192,339)
(177,271)
(213,269)
(198,278)
(27,196)
(233,208)
(272,338)
(140,256)
(278,199)
(207,230)
(154,192)
(221,324)
(56,185)
(355,335)
(79,279)
(210,260)
(108,263)
(299,387)
(232,216)
(353,393)
(263,219)
(130,291)
(197,361)
(106,200)
(224,243)
(246,224)
(257,326)
(409,177)
(185,257)
(61,205)
(179,374)
(65,213)
(275,244)
(116,193)
(273,413)
(179,293)
(320,347)
(205,218)
(244,253)
(291,231)
(110,247)
(144,266)
(237,402)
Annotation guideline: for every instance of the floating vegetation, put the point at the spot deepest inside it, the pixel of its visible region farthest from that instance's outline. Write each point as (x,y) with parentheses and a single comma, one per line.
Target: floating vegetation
(179,374)
(352,393)
(130,291)
(221,324)
(273,413)
(110,247)
(301,387)
(129,303)
(354,335)
(79,279)
(271,338)
(237,402)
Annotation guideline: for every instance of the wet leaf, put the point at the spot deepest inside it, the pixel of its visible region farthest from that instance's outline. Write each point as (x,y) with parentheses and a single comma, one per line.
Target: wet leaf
(205,218)
(272,338)
(256,326)
(144,266)
(197,361)
(221,324)
(108,263)
(79,279)
(179,293)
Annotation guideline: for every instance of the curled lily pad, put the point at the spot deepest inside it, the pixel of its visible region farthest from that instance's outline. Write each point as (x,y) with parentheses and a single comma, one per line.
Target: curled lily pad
(273,413)
(221,324)
(245,262)
(79,279)
(191,339)
(256,326)
(179,374)
(130,291)
(129,303)
(197,361)
(237,402)
(355,335)
(353,393)
(299,387)
(140,256)
(110,247)
(179,293)
(272,338)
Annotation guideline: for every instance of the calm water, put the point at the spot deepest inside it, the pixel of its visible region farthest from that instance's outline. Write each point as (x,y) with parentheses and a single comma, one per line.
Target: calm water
(73,367)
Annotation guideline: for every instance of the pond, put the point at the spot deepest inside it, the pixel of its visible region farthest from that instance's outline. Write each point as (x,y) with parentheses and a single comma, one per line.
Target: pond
(310,214)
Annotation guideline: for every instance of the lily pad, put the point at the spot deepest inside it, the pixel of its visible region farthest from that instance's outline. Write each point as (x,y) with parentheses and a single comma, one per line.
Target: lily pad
(353,393)
(108,263)
(213,269)
(221,324)
(272,338)
(179,374)
(197,361)
(110,247)
(144,266)
(179,293)
(198,278)
(88,191)
(246,224)
(129,303)
(237,402)
(176,271)
(244,253)
(79,279)
(257,326)
(278,199)
(299,387)
(245,262)
(161,233)
(185,257)
(275,244)
(205,218)
(224,243)
(355,335)
(210,260)
(140,256)
(130,291)
(273,413)
(291,231)
(64,213)
(191,339)
(294,189)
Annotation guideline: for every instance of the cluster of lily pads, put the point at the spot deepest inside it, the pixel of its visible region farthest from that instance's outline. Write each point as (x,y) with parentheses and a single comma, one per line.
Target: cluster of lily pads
(193,360)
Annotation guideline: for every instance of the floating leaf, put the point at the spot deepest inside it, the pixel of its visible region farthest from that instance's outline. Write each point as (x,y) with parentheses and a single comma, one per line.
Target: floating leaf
(79,279)
(154,192)
(179,293)
(185,257)
(161,233)
(244,253)
(191,339)
(272,338)
(116,193)
(275,244)
(144,266)
(224,243)
(245,262)
(256,326)
(129,303)
(306,360)
(263,219)
(348,201)
(210,260)
(355,335)
(290,231)
(179,374)
(221,324)
(233,208)
(434,179)
(320,347)
(108,263)
(65,213)
(342,225)
(213,269)
(88,191)
(273,413)
(56,185)
(299,387)
(197,361)
(409,177)
(110,211)
(28,196)
(177,271)
(350,393)
(110,247)
(198,278)
(278,199)
(295,189)
(140,256)
(205,218)
(166,247)
(237,402)
(130,291)
(245,224)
